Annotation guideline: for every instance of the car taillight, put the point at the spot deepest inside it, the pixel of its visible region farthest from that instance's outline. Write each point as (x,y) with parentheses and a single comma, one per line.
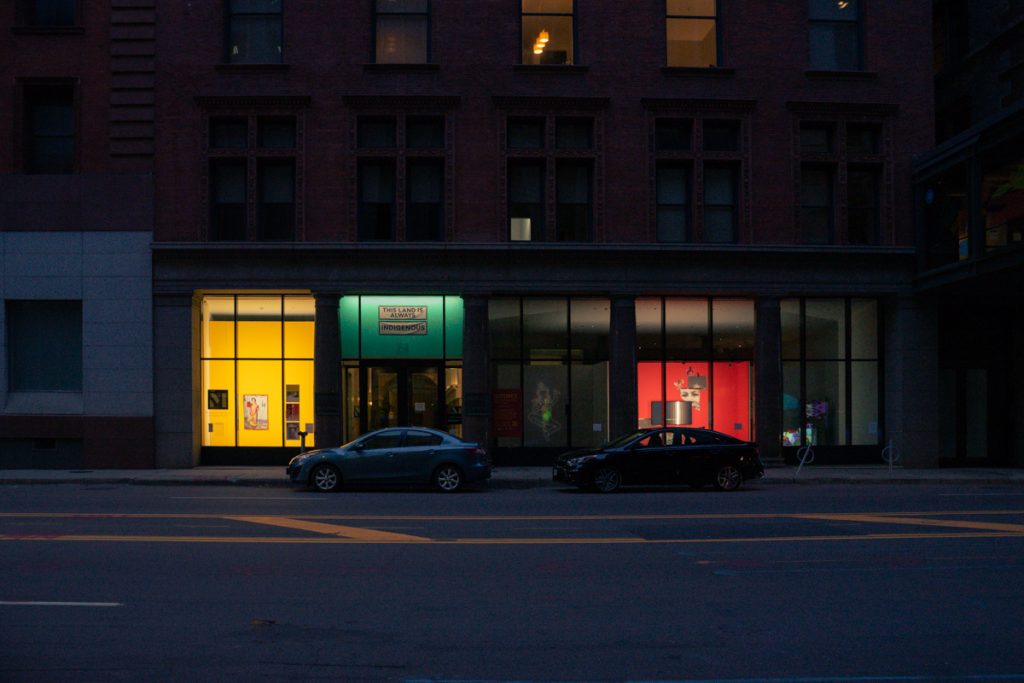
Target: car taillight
(478,453)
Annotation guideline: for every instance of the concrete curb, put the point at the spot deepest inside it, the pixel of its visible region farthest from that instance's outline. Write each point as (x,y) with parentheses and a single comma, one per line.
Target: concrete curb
(528,479)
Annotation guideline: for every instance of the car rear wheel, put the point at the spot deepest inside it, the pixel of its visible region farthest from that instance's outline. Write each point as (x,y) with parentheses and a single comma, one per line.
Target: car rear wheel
(447,478)
(607,479)
(728,478)
(325,478)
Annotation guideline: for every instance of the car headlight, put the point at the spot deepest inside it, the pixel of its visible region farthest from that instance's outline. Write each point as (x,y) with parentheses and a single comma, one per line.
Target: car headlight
(302,458)
(580,461)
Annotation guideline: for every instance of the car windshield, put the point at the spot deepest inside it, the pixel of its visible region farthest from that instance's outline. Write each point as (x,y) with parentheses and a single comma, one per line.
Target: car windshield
(623,440)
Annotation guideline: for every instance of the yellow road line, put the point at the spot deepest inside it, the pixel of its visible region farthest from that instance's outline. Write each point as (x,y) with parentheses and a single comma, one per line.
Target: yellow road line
(493,518)
(957,524)
(491,541)
(329,529)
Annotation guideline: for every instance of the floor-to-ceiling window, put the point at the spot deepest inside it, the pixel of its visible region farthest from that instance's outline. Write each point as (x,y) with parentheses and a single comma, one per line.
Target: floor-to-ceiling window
(549,371)
(831,372)
(694,363)
(257,368)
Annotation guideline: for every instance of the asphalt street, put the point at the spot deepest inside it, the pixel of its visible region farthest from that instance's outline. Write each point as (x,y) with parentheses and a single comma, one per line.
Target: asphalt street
(771,583)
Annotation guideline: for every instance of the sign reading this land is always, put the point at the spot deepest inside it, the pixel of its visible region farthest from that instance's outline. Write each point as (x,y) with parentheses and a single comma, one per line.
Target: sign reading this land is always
(392,320)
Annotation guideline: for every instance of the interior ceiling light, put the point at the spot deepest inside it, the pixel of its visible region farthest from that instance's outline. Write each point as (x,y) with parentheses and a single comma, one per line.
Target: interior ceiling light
(842,4)
(543,37)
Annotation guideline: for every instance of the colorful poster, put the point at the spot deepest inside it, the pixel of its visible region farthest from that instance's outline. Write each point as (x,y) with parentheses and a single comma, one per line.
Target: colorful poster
(508,412)
(255,411)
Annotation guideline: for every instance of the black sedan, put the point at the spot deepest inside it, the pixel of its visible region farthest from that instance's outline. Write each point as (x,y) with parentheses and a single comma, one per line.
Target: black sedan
(668,455)
(398,455)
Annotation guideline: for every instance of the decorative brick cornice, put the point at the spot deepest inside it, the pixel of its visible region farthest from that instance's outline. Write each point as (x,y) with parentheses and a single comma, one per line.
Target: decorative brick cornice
(544,103)
(253,101)
(843,108)
(698,104)
(404,102)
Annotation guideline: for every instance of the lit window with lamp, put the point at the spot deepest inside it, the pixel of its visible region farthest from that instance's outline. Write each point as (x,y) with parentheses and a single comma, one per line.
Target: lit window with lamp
(547,32)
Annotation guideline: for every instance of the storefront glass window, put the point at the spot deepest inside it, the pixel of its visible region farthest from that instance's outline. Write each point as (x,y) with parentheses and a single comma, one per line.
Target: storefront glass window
(590,326)
(507,403)
(831,383)
(691,381)
(219,321)
(734,329)
(552,391)
(257,369)
(686,328)
(864,328)
(825,328)
(589,406)
(864,403)
(258,321)
(545,397)
(648,329)
(545,328)
(504,326)
(825,405)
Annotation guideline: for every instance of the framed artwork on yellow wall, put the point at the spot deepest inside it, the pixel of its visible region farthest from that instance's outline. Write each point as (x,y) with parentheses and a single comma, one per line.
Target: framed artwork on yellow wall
(255,413)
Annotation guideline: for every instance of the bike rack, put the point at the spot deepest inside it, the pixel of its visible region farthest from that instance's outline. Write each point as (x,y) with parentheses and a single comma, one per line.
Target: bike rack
(806,456)
(891,455)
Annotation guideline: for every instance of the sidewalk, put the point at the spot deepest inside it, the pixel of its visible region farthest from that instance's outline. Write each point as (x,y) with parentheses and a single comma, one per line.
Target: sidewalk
(515,477)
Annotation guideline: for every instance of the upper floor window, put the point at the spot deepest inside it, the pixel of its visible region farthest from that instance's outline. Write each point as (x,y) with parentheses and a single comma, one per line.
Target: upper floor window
(252,177)
(681,165)
(255,31)
(546,151)
(835,35)
(402,31)
(47,13)
(841,166)
(49,128)
(547,32)
(391,149)
(691,33)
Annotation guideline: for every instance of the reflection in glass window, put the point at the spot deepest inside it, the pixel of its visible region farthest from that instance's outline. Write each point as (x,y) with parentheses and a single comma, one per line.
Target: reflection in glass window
(945,216)
(553,391)
(254,32)
(402,35)
(835,35)
(831,389)
(526,200)
(673,196)
(691,33)
(547,32)
(1002,200)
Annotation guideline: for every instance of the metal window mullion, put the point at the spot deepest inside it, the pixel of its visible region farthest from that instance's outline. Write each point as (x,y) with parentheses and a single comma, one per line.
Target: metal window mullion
(849,371)
(568,361)
(234,318)
(710,350)
(284,429)
(802,408)
(522,370)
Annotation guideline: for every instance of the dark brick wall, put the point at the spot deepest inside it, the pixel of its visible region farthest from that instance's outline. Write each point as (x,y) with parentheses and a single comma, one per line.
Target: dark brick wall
(475,43)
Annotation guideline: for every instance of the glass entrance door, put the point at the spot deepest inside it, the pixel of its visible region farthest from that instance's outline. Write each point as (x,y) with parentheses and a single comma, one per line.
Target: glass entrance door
(402,395)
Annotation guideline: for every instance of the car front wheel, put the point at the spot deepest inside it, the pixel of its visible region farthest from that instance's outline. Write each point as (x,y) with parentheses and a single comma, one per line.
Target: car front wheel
(325,478)
(607,479)
(447,478)
(728,478)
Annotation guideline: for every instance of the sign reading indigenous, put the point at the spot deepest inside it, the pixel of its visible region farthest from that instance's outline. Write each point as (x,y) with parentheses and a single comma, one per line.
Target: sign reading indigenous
(396,320)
